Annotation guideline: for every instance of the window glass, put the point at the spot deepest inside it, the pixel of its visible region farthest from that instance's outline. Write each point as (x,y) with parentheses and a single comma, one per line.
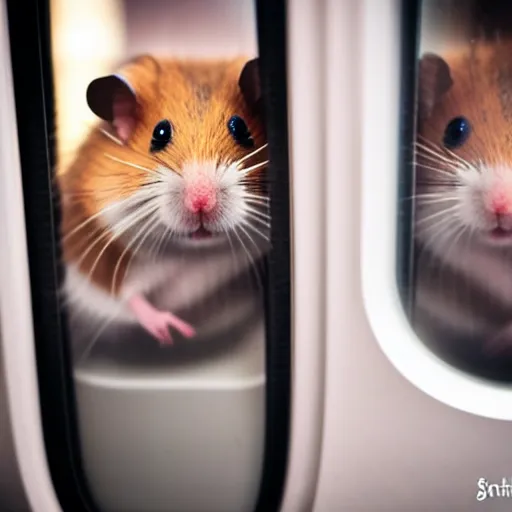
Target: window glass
(161,168)
(460,300)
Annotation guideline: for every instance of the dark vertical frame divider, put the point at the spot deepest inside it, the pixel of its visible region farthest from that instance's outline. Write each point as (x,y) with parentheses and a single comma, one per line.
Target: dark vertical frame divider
(272,36)
(410,24)
(29,28)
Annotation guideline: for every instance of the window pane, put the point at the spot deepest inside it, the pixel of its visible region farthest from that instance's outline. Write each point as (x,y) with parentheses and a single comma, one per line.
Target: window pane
(162,171)
(461,196)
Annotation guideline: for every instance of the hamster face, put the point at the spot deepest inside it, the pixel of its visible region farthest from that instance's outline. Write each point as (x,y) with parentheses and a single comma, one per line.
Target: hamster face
(464,149)
(183,161)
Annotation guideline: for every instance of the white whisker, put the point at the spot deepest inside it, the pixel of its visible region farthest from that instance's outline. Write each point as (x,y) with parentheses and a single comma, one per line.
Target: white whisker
(250,258)
(128,221)
(432,200)
(253,217)
(434,152)
(166,233)
(426,195)
(455,236)
(250,155)
(437,229)
(111,137)
(445,232)
(248,195)
(443,172)
(453,166)
(104,230)
(100,331)
(437,214)
(142,230)
(135,166)
(95,216)
(258,213)
(449,151)
(116,237)
(256,230)
(248,170)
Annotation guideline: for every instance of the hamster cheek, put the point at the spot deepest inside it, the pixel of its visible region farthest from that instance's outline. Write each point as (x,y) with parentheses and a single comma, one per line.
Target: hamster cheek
(172,212)
(233,205)
(471,193)
(234,208)
(471,210)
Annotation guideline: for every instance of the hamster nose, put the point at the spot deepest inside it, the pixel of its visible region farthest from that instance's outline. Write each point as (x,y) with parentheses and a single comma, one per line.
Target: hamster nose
(200,196)
(500,203)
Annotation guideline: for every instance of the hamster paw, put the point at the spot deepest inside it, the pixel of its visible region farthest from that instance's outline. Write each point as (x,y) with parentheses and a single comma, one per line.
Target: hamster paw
(180,325)
(157,322)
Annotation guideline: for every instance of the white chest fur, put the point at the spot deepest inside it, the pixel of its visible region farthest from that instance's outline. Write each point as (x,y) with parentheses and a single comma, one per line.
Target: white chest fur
(465,289)
(210,289)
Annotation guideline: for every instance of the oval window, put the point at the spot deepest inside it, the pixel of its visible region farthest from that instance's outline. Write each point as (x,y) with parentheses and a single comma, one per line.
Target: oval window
(456,260)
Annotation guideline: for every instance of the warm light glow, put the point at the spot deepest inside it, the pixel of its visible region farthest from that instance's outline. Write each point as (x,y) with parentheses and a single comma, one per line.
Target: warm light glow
(88,40)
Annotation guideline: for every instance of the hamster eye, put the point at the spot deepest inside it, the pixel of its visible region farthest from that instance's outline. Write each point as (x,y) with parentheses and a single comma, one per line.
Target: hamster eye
(239,131)
(162,135)
(456,133)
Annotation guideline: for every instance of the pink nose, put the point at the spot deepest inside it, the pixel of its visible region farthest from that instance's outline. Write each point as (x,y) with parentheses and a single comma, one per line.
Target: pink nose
(200,196)
(500,203)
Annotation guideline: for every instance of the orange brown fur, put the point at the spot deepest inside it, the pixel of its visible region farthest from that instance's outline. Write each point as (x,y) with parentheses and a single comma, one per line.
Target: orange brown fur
(198,97)
(484,70)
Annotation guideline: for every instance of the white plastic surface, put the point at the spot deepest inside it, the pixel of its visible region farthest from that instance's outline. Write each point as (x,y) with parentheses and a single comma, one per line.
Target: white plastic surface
(306,142)
(12,494)
(188,438)
(15,304)
(387,446)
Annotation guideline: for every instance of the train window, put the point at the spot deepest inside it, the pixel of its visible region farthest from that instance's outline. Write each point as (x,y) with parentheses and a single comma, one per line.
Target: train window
(456,228)
(153,143)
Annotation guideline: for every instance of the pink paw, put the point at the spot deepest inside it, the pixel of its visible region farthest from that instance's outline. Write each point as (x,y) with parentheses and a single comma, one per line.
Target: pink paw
(157,323)
(180,325)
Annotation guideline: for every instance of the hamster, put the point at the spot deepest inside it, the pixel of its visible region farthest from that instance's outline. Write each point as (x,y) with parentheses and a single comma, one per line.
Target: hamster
(463,196)
(165,203)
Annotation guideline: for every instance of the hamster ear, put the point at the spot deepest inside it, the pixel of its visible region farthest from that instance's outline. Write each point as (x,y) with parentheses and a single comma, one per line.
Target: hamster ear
(112,99)
(434,80)
(250,84)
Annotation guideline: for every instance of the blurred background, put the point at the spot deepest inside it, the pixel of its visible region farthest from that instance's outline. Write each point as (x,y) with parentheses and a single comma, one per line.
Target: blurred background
(448,23)
(91,38)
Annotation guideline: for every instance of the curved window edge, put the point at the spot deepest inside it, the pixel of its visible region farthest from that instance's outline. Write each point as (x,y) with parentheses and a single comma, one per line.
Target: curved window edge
(381,38)
(15,305)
